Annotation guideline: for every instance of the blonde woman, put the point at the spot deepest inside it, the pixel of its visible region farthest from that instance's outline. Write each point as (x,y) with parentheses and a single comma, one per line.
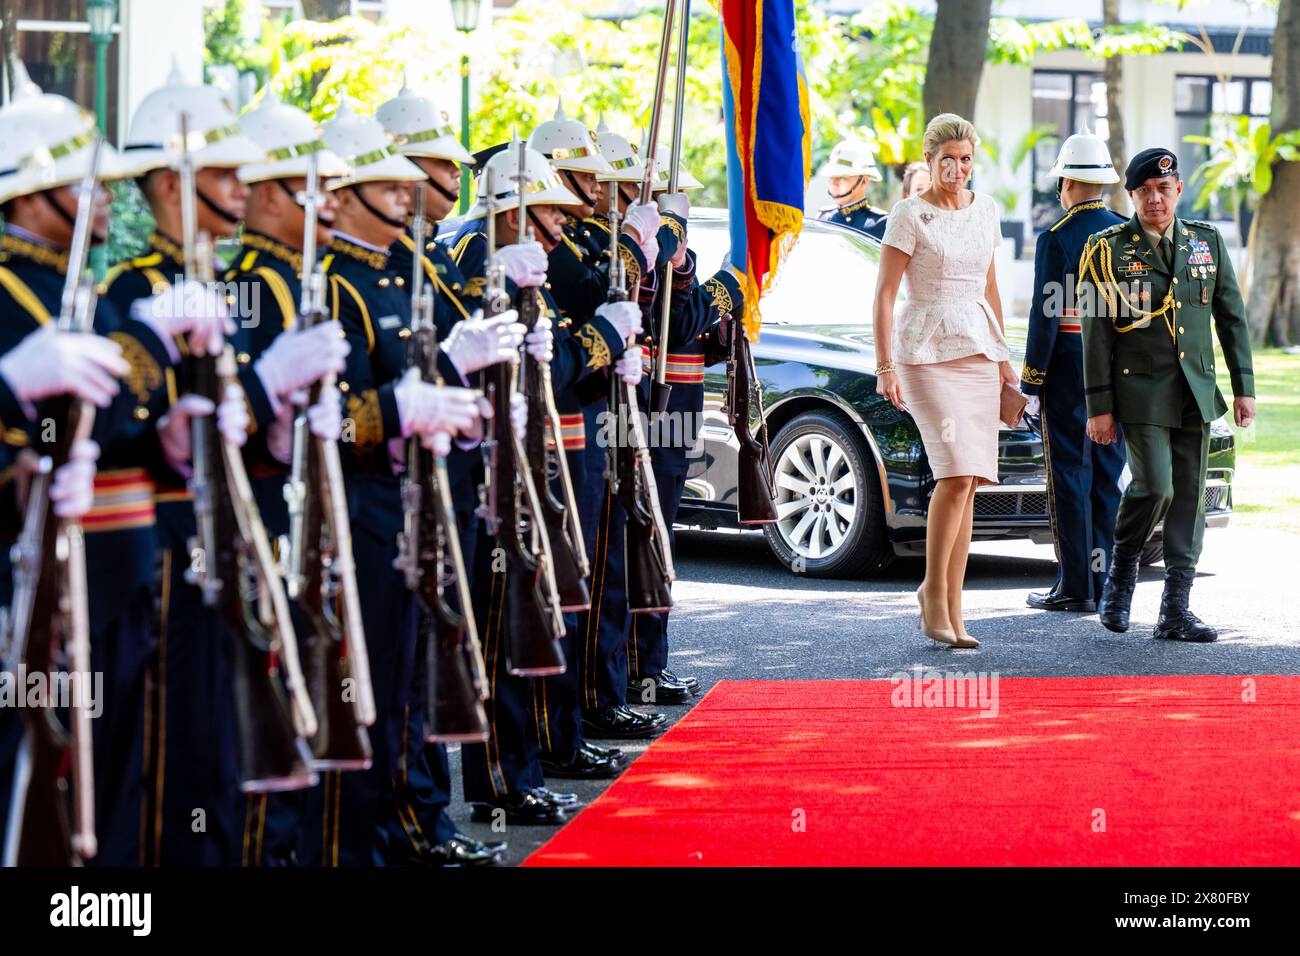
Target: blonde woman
(943,355)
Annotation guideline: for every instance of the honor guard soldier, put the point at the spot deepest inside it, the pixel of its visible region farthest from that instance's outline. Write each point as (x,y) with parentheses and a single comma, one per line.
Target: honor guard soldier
(46,144)
(423,134)
(506,773)
(852,168)
(696,310)
(1152,288)
(1083,487)
(195,757)
(367,819)
(578,280)
(267,271)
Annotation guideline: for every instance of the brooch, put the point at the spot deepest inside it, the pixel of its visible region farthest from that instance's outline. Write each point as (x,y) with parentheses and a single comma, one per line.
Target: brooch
(927,217)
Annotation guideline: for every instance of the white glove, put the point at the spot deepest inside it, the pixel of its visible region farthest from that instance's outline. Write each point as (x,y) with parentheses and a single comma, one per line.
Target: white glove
(192,308)
(524,263)
(641,222)
(1033,406)
(650,252)
(324,419)
(50,362)
(297,359)
(675,203)
(624,316)
(628,365)
(540,342)
(476,343)
(174,430)
(519,415)
(424,408)
(73,490)
(232,416)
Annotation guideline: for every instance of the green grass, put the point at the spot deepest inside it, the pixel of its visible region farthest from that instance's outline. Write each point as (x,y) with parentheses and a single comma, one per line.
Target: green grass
(1266,490)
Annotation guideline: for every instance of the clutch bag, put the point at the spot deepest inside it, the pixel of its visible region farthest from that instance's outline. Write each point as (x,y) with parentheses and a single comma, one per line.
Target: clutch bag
(1012,406)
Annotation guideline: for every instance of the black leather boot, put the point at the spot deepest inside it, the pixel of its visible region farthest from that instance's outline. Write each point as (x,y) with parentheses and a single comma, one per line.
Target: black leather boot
(1176,622)
(1117,595)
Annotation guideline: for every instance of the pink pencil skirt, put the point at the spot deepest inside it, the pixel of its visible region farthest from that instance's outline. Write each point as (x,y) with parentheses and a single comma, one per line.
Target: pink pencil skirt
(956,405)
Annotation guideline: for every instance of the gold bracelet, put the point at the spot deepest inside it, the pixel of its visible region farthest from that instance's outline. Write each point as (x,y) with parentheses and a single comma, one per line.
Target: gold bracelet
(885,367)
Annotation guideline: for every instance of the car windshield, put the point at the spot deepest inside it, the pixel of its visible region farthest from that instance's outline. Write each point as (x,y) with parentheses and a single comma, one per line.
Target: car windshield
(811,287)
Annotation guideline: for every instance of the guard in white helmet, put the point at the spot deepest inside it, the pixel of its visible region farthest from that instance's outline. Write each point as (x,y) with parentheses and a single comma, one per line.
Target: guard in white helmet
(851,169)
(506,774)
(367,818)
(46,142)
(423,134)
(1083,490)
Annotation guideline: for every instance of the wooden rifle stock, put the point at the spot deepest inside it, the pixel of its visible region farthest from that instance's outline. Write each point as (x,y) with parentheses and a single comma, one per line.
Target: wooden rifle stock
(754,500)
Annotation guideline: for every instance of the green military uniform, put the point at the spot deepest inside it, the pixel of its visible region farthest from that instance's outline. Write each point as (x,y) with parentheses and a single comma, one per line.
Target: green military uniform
(1149,361)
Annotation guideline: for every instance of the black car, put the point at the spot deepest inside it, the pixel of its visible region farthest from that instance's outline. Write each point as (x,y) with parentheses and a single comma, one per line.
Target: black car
(852,479)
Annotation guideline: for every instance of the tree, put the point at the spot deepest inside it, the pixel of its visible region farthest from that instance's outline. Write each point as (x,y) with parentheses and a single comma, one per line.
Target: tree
(1275,288)
(957,47)
(325,9)
(1113,73)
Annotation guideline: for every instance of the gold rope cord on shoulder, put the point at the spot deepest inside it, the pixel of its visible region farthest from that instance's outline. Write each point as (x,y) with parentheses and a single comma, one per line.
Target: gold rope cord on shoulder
(1112,293)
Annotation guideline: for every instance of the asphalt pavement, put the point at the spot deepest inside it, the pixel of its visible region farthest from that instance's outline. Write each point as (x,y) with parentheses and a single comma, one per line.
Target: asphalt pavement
(742,616)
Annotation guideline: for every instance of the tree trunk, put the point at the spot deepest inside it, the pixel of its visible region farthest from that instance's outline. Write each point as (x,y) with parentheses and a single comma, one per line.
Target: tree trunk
(1275,284)
(1113,72)
(8,42)
(957,49)
(325,9)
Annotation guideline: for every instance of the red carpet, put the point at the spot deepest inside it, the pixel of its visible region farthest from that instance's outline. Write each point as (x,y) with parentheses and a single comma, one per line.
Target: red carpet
(1099,771)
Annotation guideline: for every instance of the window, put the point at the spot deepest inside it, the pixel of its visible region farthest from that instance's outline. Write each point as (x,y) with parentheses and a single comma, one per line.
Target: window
(1208,106)
(1067,101)
(54,44)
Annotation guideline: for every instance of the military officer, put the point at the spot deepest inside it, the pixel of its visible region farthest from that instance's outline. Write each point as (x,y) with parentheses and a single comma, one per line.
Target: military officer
(1152,288)
(45,150)
(852,169)
(365,813)
(1083,476)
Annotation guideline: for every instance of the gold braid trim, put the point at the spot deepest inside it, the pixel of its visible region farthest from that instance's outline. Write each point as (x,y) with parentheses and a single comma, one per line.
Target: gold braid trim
(630,266)
(1032,376)
(721,297)
(573,247)
(676,228)
(255,240)
(42,255)
(144,376)
(363,409)
(476,287)
(595,344)
(376,260)
(1110,287)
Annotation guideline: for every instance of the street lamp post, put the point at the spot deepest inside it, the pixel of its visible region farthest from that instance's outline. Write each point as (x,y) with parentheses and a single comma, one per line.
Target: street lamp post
(465,15)
(101,15)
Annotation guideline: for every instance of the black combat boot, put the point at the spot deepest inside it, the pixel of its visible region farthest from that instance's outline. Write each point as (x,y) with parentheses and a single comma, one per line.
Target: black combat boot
(1117,594)
(1176,621)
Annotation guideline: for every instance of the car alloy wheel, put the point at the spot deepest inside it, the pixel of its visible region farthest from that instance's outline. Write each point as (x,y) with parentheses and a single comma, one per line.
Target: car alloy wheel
(817,499)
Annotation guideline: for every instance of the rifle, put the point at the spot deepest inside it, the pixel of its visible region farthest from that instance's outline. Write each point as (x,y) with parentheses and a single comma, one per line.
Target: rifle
(512,511)
(321,574)
(548,459)
(233,566)
(754,481)
(50,615)
(429,548)
(648,552)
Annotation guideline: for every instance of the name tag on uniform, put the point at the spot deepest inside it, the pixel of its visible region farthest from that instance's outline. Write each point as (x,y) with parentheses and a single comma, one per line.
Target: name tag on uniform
(390,322)
(1134,269)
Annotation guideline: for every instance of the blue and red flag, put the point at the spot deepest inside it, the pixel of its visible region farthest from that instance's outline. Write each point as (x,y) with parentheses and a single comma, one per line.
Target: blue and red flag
(769,140)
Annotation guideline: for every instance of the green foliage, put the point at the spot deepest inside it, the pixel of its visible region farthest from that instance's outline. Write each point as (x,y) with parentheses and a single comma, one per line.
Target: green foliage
(1016,43)
(224,40)
(1240,165)
(131,222)
(1013,160)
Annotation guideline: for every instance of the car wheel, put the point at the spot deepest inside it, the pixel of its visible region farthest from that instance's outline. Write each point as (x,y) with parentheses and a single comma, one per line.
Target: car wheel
(830,517)
(1152,551)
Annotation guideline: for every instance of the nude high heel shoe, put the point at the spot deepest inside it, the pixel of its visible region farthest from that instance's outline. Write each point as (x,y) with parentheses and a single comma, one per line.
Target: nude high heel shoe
(942,635)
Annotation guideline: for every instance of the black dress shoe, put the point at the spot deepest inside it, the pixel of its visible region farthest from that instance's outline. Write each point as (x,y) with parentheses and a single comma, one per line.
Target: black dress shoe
(496,847)
(565,801)
(656,718)
(583,765)
(609,753)
(457,851)
(616,723)
(1055,601)
(692,682)
(659,689)
(521,809)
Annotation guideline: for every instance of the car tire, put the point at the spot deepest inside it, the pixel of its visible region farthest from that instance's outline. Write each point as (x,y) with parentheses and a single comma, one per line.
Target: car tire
(860,544)
(1152,552)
